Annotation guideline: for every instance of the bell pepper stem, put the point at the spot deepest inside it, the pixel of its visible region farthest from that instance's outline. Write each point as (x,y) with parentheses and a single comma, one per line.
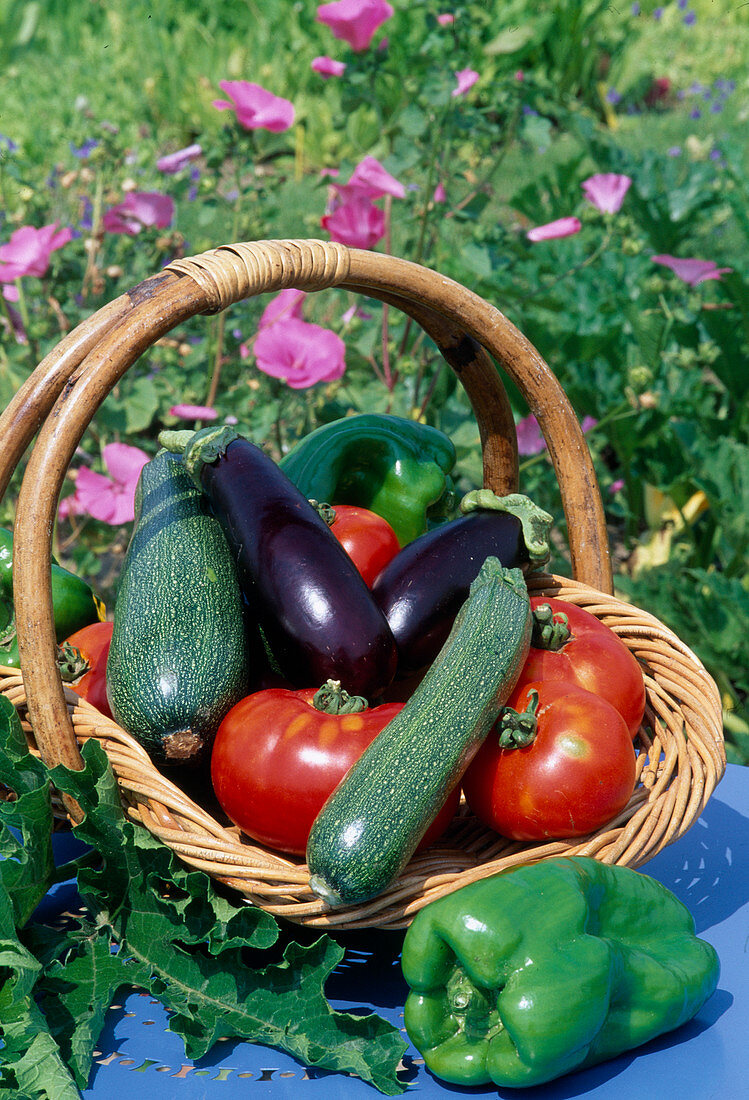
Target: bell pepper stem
(517,729)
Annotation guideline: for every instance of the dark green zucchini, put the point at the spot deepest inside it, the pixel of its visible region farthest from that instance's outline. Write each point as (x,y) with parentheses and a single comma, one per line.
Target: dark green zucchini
(372,823)
(180,654)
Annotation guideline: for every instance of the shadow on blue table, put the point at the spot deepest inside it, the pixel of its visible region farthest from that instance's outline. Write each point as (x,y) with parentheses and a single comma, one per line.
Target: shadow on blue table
(711,880)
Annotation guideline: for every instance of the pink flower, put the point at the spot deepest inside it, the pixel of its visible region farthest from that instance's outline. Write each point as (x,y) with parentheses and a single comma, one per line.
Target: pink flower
(530,440)
(256,108)
(466,78)
(109,500)
(16,325)
(445,19)
(357,223)
(327,66)
(137,210)
(193,412)
(355,311)
(606,191)
(355,21)
(440,195)
(616,486)
(300,353)
(369,180)
(692,271)
(174,162)
(29,249)
(286,305)
(562,227)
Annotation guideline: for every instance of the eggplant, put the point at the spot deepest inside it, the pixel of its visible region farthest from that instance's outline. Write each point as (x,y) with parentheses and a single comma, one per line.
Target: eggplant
(421,589)
(317,615)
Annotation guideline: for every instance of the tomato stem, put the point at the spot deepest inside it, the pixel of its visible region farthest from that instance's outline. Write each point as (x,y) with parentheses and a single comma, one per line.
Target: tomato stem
(331,698)
(550,631)
(517,729)
(325,511)
(71,662)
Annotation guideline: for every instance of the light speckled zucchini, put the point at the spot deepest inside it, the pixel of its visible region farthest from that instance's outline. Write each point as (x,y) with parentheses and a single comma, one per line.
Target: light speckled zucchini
(372,823)
(179,655)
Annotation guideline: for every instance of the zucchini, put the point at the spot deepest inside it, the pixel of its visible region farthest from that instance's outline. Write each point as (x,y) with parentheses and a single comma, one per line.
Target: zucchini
(372,823)
(180,652)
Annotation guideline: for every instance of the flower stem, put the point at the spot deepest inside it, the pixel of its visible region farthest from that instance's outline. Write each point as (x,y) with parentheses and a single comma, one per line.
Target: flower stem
(389,378)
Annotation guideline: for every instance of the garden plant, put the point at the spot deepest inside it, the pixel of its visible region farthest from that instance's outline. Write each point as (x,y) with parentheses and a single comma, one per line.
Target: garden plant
(581,166)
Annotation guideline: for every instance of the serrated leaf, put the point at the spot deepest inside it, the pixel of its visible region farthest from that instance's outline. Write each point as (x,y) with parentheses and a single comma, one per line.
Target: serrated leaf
(27,865)
(78,990)
(30,1060)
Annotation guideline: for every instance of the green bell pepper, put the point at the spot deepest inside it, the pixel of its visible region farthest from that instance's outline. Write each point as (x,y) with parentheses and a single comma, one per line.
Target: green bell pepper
(73,602)
(395,467)
(524,976)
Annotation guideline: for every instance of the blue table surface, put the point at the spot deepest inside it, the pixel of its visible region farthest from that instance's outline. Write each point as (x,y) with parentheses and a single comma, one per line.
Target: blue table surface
(707,869)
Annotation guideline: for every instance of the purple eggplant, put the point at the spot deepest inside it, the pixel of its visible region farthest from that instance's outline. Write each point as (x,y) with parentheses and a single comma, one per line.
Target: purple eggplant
(316,613)
(421,590)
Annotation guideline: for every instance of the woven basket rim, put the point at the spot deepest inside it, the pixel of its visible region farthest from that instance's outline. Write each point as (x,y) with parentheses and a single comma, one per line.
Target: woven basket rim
(678,766)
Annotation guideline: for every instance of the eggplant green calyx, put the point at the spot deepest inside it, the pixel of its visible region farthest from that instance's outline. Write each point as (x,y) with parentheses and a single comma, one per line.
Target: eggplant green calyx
(535,523)
(517,729)
(331,698)
(71,662)
(326,512)
(199,448)
(550,631)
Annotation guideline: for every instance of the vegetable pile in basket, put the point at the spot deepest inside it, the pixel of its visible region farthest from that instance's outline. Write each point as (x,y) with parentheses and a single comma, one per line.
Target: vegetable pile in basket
(345,667)
(338,661)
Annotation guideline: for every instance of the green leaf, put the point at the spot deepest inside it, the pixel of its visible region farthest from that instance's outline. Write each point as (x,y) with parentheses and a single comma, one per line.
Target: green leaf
(648,329)
(30,1061)
(134,409)
(27,866)
(513,39)
(77,991)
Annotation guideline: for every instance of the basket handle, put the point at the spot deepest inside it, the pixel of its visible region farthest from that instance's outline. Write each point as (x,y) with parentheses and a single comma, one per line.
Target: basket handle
(463,323)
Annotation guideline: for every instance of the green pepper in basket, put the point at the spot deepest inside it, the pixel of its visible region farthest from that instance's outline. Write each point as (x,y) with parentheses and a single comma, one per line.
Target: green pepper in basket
(395,467)
(74,604)
(529,974)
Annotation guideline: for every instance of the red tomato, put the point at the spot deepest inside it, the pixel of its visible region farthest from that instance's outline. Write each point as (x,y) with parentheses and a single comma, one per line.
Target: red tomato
(276,759)
(92,642)
(576,775)
(367,538)
(594,658)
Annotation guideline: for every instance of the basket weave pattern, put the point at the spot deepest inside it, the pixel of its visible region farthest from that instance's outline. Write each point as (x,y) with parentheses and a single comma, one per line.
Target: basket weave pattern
(681,755)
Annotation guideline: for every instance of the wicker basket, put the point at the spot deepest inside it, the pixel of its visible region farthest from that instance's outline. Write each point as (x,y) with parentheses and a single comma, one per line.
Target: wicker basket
(680,749)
